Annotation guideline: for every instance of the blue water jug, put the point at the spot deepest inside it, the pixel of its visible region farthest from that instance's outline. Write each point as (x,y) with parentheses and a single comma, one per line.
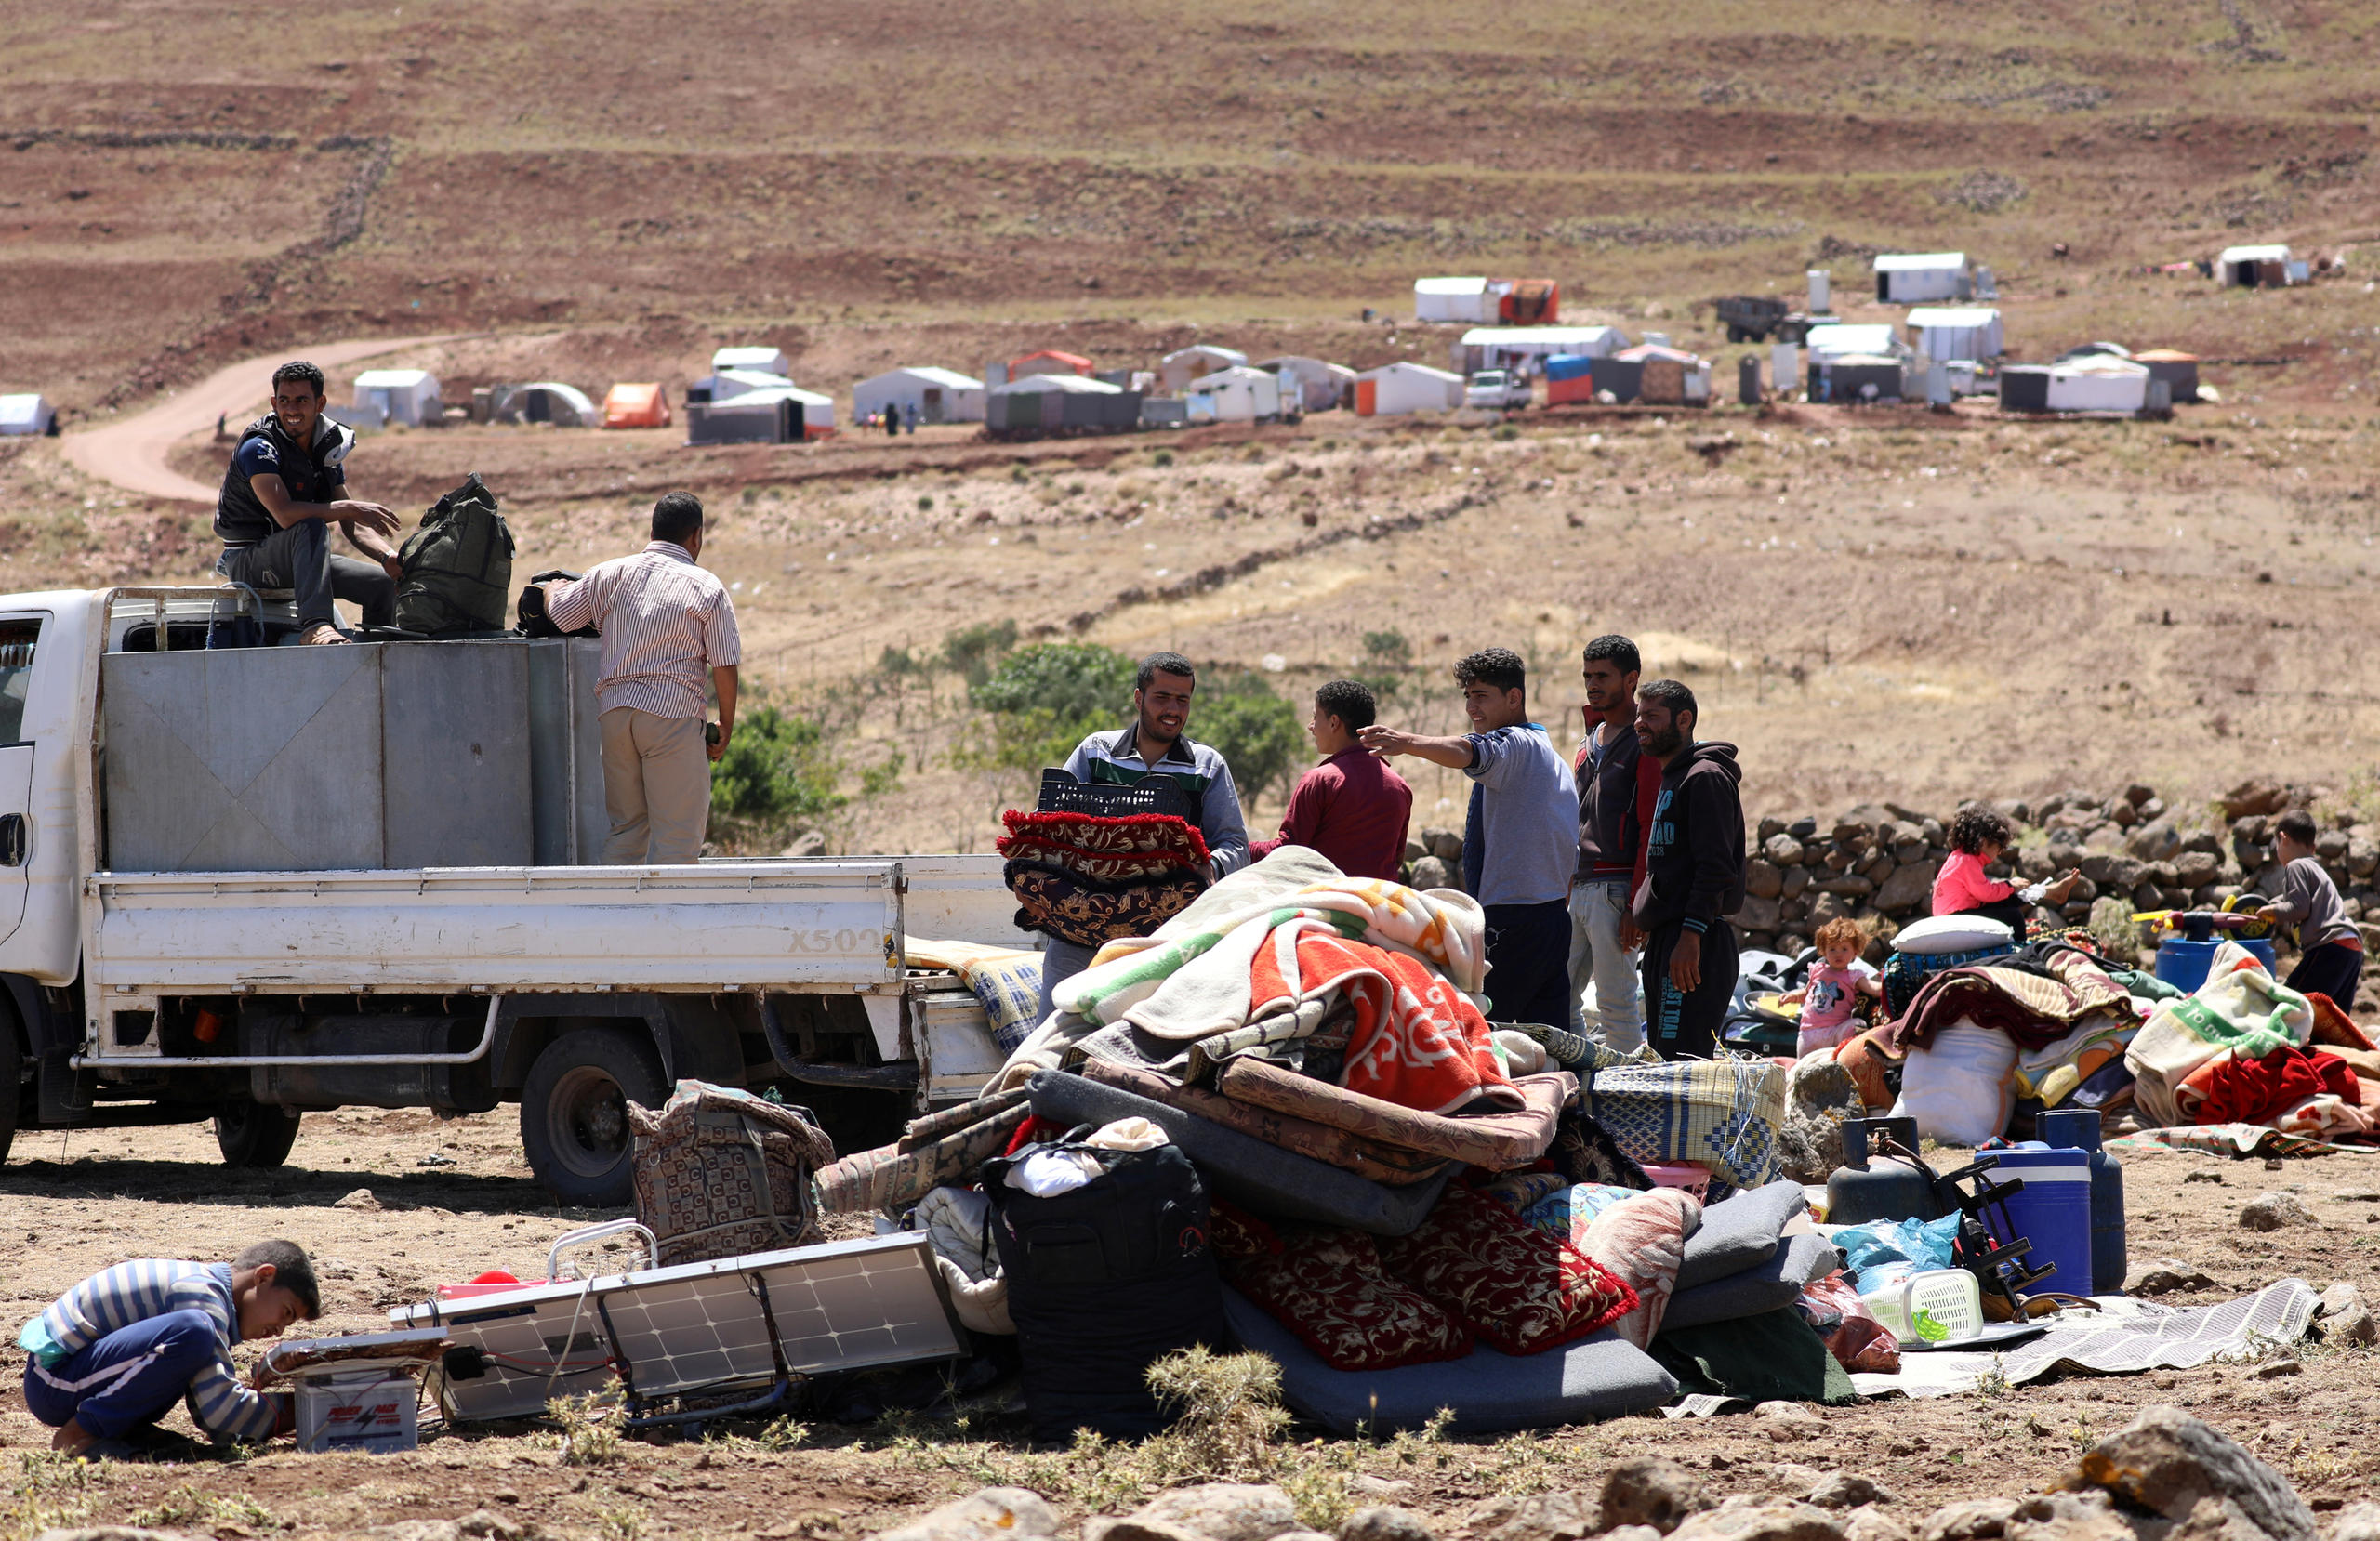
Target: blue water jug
(2079,1130)
(2053,1211)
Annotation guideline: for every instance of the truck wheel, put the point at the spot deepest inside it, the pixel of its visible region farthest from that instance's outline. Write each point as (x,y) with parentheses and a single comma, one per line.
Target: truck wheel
(253,1135)
(573,1111)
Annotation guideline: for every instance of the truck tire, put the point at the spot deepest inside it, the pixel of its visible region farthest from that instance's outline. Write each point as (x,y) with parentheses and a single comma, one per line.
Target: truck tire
(574,1113)
(254,1135)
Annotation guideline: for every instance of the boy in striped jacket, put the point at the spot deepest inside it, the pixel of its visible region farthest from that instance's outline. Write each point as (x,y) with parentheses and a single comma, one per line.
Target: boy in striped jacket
(111,1355)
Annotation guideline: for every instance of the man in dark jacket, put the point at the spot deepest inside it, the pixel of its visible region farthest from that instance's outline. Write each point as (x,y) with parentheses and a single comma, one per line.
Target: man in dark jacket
(1693,876)
(286,487)
(1618,785)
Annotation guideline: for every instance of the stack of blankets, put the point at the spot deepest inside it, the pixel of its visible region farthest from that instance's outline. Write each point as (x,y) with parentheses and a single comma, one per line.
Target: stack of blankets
(1086,879)
(2242,1050)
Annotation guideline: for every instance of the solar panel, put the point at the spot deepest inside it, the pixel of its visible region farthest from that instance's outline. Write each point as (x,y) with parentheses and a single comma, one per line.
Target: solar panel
(698,1327)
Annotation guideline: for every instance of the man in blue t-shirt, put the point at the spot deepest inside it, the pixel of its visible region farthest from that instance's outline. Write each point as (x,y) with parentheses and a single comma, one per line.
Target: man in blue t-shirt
(1520,845)
(284,490)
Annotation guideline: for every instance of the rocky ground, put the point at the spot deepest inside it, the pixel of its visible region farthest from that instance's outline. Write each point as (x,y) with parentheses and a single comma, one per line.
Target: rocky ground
(448,1200)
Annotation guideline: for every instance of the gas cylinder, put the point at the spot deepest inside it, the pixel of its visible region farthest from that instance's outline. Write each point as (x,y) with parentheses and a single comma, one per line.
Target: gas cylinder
(1876,1186)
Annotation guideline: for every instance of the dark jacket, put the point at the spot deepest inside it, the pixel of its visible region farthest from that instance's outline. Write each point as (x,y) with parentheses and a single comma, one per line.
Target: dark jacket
(1615,804)
(1694,856)
(311,475)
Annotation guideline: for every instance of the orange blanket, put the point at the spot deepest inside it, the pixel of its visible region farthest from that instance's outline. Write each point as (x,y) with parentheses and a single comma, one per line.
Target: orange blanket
(1416,1042)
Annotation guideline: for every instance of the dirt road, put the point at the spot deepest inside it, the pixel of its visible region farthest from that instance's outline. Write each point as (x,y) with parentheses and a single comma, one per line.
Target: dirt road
(131,453)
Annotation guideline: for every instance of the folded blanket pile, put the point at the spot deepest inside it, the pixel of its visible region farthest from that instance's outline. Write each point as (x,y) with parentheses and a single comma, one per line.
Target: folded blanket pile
(1087,879)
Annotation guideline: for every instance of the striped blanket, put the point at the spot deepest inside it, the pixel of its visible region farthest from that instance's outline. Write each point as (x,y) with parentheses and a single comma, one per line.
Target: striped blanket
(1723,1113)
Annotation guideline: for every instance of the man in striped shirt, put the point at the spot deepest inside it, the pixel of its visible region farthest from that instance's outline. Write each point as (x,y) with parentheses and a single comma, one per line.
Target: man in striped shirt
(111,1355)
(665,623)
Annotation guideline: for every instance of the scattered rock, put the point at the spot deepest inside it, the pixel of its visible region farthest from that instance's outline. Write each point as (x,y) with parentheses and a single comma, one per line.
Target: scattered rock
(361,1199)
(1870,1524)
(1431,873)
(1846,1489)
(2274,1211)
(2354,1324)
(2274,1369)
(2165,1461)
(1769,1521)
(1363,1484)
(115,1533)
(481,1524)
(2067,1517)
(2163,1276)
(2339,1298)
(1220,1512)
(1786,1422)
(1383,1523)
(2357,1522)
(2213,1519)
(1560,1516)
(1649,1490)
(1792,1478)
(1976,1519)
(2215,1177)
(992,1514)
(1135,1527)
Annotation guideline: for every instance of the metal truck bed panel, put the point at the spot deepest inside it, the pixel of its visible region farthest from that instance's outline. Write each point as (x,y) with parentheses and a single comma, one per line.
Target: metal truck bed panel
(695,927)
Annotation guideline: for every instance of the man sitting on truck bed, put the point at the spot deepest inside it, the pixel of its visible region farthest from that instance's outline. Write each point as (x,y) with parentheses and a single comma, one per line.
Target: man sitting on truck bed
(282,493)
(663,620)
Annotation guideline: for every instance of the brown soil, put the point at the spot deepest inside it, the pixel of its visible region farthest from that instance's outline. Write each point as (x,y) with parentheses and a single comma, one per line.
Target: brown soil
(91,1198)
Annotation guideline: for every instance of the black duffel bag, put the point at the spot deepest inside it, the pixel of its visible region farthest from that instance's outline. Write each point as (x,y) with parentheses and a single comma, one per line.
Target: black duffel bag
(1102,1282)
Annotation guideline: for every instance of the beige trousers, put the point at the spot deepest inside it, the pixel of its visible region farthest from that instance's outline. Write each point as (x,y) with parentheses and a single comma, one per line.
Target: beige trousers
(656,788)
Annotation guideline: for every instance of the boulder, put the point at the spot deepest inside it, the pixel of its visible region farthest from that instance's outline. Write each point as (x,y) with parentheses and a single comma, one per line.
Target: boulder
(1797,878)
(992,1514)
(1414,852)
(1820,1095)
(1562,1515)
(1221,1511)
(2157,840)
(2346,1319)
(1912,884)
(2167,1461)
(2274,1212)
(2195,869)
(1827,907)
(2362,857)
(2139,793)
(1870,1524)
(1802,829)
(1786,1422)
(2067,1517)
(1447,846)
(1769,828)
(2163,1276)
(2111,871)
(1770,1521)
(1976,1519)
(1385,1522)
(1651,1489)
(1783,849)
(1758,913)
(1849,884)
(1764,878)
(2357,1522)
(1431,873)
(2255,795)
(1848,1489)
(2122,814)
(1363,1484)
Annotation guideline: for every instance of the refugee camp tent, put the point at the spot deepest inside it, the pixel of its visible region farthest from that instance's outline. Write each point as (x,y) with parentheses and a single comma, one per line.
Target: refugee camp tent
(2253,266)
(1873,338)
(1654,374)
(27,413)
(1913,278)
(1526,348)
(772,415)
(1531,302)
(1320,386)
(2098,382)
(1456,299)
(406,396)
(1038,404)
(1569,377)
(565,406)
(1235,395)
(2024,388)
(1943,332)
(635,406)
(1048,361)
(1855,377)
(939,395)
(1394,390)
(2179,371)
(1177,369)
(759,360)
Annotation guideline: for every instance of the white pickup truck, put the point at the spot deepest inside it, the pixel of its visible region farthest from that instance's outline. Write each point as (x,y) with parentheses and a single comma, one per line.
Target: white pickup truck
(240,883)
(1498,390)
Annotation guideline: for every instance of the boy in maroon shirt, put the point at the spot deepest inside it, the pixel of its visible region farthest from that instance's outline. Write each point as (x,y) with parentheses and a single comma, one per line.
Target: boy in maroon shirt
(1351,808)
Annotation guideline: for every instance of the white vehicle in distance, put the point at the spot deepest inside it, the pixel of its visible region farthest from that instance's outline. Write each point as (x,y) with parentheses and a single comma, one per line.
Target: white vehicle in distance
(1496,390)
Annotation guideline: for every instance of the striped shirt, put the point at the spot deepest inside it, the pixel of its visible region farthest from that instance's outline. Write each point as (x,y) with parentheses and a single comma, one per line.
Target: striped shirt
(147,1287)
(665,624)
(1114,760)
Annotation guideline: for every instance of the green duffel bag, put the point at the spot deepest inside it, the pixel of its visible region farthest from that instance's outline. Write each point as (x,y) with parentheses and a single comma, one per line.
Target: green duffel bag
(458,567)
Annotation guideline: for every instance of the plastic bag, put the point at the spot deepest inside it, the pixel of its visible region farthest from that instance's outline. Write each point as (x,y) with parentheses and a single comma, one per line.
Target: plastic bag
(1883,1253)
(1853,1335)
(1962,1086)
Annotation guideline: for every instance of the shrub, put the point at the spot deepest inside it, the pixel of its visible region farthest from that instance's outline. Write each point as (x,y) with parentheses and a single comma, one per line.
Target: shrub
(1256,732)
(777,770)
(970,651)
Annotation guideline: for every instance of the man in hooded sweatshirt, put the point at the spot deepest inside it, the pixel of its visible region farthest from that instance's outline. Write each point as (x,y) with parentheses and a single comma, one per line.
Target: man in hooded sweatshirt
(1693,876)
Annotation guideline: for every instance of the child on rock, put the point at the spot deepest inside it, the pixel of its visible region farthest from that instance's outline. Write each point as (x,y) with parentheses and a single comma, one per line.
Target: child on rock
(1978,837)
(1829,1002)
(114,1353)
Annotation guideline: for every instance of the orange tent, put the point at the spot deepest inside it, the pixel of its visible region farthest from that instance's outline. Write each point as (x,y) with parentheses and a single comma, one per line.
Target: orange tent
(1048,361)
(635,406)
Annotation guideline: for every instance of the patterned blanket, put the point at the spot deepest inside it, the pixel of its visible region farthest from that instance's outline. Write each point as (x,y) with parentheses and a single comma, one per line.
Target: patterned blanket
(945,1149)
(1086,912)
(1723,1113)
(2240,1007)
(1007,981)
(1416,1042)
(1378,1161)
(1157,838)
(2032,1009)
(1497,1141)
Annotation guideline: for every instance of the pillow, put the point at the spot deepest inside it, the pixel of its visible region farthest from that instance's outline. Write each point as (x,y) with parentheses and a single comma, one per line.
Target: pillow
(1952,933)
(1519,1287)
(1328,1287)
(1642,1240)
(1771,1285)
(1566,1213)
(1739,1232)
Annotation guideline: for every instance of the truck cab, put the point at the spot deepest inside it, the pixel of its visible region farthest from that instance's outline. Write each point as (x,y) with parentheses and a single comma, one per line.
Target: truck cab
(1497,390)
(242,883)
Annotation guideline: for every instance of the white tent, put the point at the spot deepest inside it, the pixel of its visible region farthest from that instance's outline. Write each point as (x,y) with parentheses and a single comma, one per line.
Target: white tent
(1943,332)
(1912,277)
(727,384)
(27,415)
(772,415)
(1458,299)
(2098,382)
(761,361)
(939,395)
(1522,346)
(565,406)
(1177,369)
(1394,389)
(407,396)
(1320,386)
(1235,395)
(1866,337)
(2243,266)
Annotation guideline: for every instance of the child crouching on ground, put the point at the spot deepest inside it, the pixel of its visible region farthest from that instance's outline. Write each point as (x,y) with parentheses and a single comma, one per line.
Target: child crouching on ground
(1978,837)
(1829,1001)
(2330,949)
(114,1353)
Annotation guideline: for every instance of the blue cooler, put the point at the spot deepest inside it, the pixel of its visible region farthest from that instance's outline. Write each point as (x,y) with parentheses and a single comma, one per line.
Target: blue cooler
(2053,1211)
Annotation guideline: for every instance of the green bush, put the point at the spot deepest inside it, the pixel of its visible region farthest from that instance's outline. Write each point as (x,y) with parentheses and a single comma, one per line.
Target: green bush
(1256,732)
(1043,700)
(970,651)
(777,770)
